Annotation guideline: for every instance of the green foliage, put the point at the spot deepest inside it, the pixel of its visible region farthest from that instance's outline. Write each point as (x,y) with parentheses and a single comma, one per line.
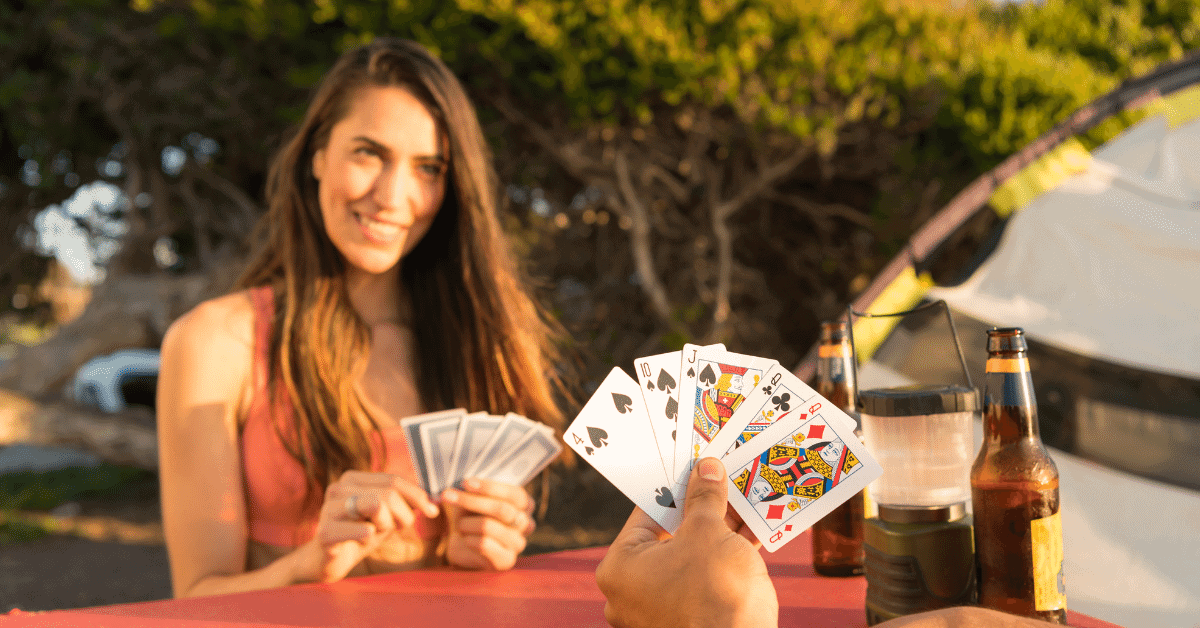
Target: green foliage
(29,490)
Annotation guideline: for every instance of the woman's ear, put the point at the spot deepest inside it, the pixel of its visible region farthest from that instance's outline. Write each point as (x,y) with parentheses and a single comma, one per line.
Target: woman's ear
(318,163)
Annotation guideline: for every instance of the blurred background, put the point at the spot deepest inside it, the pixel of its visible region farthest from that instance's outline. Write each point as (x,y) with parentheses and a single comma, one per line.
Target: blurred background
(675,171)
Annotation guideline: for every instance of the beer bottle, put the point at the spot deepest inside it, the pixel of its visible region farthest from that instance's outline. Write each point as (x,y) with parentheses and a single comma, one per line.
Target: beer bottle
(838,537)
(1014,491)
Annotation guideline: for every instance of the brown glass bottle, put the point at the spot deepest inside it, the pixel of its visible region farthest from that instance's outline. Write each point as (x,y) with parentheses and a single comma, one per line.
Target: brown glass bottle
(1014,492)
(838,537)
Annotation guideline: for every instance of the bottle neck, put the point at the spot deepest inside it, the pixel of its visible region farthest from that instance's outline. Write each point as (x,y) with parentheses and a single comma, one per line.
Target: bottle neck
(835,375)
(1010,408)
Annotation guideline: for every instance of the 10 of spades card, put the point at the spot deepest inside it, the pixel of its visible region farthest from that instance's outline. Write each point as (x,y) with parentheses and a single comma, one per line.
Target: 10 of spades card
(613,433)
(659,377)
(796,471)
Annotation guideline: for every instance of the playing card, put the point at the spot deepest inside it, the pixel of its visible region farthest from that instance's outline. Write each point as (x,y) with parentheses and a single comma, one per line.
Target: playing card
(779,393)
(474,432)
(722,381)
(613,434)
(659,377)
(529,457)
(795,472)
(511,431)
(437,444)
(412,440)
(687,382)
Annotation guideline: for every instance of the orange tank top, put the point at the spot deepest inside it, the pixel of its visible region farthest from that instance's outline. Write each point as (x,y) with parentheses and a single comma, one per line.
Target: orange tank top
(275,482)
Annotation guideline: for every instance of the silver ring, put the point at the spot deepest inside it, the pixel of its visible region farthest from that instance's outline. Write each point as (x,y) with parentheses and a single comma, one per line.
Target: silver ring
(352,507)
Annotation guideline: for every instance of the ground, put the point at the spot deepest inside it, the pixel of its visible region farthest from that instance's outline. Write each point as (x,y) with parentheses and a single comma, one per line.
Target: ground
(110,548)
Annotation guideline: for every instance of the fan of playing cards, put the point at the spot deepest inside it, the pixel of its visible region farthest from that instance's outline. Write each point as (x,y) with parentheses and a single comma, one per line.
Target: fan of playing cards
(791,455)
(447,446)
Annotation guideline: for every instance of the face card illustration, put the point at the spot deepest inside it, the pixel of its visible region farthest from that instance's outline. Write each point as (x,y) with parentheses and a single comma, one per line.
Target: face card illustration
(794,473)
(511,431)
(474,432)
(723,380)
(688,358)
(526,460)
(437,443)
(659,377)
(613,434)
(778,394)
(412,440)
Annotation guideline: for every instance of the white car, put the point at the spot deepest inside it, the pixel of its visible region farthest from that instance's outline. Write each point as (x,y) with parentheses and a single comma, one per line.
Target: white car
(112,382)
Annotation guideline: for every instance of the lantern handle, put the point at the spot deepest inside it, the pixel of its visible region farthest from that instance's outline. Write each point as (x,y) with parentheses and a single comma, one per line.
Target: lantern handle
(851,313)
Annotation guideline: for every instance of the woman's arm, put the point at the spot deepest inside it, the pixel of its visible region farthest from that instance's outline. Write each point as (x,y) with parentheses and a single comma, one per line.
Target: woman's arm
(203,386)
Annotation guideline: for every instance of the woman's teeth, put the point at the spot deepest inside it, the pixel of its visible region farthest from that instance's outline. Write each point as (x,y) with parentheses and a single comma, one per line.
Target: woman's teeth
(377,228)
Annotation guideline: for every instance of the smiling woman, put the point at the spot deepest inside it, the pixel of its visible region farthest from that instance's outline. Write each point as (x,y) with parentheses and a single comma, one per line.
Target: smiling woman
(382,286)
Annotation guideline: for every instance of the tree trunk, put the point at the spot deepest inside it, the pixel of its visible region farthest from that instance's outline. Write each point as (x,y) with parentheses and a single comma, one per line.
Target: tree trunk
(126,438)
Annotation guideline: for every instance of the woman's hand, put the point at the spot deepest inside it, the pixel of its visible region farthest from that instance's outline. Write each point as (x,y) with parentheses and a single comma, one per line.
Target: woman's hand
(361,509)
(708,574)
(489,522)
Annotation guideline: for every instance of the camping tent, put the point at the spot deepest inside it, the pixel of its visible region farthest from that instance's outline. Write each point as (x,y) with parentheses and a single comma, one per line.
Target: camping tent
(1096,254)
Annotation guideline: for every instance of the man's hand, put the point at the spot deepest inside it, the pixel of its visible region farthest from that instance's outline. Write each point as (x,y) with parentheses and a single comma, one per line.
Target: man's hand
(708,574)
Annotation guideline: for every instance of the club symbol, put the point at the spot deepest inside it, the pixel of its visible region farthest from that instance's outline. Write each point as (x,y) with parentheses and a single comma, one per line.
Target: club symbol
(664,497)
(665,381)
(708,376)
(622,402)
(672,409)
(767,389)
(781,402)
(597,436)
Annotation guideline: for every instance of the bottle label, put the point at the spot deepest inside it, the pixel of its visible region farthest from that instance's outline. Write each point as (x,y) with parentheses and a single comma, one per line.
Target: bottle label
(1015,386)
(1049,592)
(833,351)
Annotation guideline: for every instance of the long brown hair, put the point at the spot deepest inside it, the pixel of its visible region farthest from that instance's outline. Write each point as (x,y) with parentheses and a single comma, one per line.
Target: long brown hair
(482,342)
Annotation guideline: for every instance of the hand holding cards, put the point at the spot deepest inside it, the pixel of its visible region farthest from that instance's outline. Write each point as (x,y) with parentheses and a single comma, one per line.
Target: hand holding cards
(792,456)
(451,445)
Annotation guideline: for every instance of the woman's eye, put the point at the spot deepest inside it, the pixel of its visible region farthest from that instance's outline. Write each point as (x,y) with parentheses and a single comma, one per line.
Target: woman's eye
(432,169)
(366,151)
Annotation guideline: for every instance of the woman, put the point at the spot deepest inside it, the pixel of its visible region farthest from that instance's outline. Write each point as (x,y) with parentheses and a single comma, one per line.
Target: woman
(382,287)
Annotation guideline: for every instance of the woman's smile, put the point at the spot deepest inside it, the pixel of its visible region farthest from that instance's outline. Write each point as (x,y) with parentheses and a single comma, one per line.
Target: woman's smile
(381,178)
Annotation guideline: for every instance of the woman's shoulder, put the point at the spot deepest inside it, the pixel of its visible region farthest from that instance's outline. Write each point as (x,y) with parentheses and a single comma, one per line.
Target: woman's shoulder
(221,327)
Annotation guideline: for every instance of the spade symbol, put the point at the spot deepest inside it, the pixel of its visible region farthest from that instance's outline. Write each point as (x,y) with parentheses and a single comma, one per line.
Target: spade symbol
(665,381)
(707,376)
(672,410)
(597,436)
(649,385)
(672,434)
(691,372)
(622,403)
(664,497)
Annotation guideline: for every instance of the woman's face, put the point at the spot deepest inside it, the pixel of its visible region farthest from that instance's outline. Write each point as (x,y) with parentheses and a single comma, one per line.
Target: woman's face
(381,178)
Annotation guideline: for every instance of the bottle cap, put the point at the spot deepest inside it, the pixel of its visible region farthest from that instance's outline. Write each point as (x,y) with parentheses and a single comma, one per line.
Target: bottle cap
(833,332)
(1006,339)
(917,400)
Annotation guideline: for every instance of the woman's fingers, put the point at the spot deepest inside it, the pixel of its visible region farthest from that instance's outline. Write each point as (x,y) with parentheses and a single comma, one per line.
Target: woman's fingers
(508,492)
(511,515)
(511,538)
(412,494)
(481,551)
(337,531)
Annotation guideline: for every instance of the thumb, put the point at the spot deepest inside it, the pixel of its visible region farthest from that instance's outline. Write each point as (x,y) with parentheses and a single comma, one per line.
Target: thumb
(707,491)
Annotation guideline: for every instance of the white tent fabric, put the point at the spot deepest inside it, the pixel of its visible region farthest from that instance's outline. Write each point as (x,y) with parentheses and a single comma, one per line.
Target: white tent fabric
(1106,265)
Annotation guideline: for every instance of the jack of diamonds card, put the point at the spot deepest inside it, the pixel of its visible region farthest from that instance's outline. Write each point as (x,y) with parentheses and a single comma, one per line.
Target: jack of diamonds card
(795,472)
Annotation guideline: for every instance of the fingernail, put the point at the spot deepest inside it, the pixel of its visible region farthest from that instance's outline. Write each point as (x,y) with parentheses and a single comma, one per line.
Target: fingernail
(450,496)
(710,469)
(471,484)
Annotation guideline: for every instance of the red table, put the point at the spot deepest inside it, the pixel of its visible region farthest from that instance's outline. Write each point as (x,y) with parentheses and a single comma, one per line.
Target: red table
(556,590)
